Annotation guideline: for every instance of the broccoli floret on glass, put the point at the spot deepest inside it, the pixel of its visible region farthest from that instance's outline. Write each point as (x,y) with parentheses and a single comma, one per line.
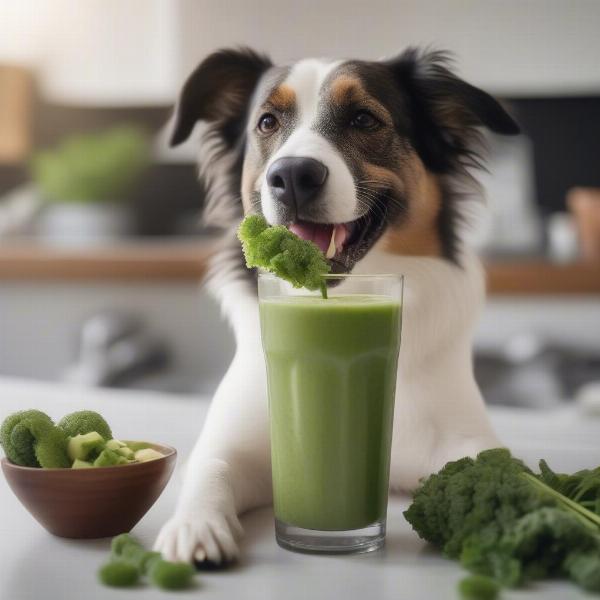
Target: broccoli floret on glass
(31,439)
(278,250)
(85,421)
(163,574)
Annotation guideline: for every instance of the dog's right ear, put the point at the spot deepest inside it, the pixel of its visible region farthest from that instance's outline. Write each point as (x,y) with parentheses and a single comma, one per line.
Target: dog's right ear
(219,91)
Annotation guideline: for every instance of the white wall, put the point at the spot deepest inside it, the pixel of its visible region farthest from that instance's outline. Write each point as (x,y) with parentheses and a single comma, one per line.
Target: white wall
(511,47)
(97,52)
(138,51)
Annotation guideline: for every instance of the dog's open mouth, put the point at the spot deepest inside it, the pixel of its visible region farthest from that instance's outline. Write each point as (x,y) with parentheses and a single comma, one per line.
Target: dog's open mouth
(330,238)
(343,244)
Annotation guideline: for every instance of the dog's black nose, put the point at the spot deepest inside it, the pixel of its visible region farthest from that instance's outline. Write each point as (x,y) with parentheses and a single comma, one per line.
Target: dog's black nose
(295,180)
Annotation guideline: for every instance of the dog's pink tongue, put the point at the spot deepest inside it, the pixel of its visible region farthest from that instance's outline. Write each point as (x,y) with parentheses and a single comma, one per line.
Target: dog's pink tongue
(318,233)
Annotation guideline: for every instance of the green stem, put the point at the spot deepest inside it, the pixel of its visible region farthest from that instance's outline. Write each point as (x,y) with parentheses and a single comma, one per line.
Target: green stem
(586,516)
(323,289)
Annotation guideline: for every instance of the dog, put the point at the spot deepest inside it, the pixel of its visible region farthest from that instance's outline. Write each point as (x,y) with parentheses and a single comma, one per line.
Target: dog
(370,161)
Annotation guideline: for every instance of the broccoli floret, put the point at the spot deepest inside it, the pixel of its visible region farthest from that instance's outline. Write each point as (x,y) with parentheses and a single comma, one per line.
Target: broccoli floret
(171,576)
(125,547)
(85,421)
(31,439)
(478,587)
(583,567)
(118,574)
(467,496)
(163,574)
(120,542)
(51,449)
(280,251)
(17,440)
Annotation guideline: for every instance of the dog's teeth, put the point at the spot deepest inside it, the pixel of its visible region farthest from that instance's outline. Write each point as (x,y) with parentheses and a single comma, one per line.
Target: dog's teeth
(331,250)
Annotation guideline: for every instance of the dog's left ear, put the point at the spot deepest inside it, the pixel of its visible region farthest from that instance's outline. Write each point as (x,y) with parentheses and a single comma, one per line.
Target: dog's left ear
(445,110)
(219,91)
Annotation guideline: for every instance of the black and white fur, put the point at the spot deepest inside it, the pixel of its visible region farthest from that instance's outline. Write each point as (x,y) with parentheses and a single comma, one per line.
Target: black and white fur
(393,184)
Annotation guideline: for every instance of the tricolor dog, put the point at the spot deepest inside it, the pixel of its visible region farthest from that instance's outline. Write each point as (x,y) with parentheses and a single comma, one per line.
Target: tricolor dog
(370,161)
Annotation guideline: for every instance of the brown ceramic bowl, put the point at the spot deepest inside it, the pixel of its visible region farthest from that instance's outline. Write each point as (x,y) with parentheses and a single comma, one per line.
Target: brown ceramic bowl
(91,503)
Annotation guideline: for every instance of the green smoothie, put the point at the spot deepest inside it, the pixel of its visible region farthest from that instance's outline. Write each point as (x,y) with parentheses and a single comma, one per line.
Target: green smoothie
(331,367)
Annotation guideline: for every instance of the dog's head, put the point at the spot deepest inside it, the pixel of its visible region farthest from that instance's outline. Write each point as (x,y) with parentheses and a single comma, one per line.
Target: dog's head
(341,151)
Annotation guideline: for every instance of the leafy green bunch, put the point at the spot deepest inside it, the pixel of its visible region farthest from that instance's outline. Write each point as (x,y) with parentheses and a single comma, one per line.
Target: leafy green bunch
(507,524)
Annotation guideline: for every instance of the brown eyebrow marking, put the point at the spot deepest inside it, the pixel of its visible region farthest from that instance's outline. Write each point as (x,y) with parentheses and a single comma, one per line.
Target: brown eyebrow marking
(345,89)
(282,98)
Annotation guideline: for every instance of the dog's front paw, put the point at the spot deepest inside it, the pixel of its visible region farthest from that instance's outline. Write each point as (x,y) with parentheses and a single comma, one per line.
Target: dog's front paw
(209,536)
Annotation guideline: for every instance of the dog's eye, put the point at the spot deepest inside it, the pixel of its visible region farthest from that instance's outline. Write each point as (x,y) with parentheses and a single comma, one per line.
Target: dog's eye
(268,123)
(363,119)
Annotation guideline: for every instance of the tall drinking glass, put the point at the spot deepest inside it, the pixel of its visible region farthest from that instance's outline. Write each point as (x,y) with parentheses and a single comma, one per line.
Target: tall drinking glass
(331,369)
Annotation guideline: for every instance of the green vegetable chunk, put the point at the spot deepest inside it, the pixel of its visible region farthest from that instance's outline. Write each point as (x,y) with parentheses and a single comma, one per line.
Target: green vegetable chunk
(478,587)
(81,464)
(163,574)
(118,574)
(110,458)
(120,542)
(125,547)
(82,445)
(135,446)
(85,421)
(280,251)
(171,576)
(147,454)
(584,569)
(31,439)
(128,453)
(115,444)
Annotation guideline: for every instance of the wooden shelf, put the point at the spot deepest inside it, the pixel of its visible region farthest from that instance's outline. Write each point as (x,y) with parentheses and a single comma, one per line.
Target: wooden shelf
(539,277)
(131,262)
(170,260)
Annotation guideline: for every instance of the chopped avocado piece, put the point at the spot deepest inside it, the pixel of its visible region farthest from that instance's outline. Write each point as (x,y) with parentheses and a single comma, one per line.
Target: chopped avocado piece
(115,444)
(109,458)
(147,454)
(135,446)
(128,453)
(82,445)
(81,464)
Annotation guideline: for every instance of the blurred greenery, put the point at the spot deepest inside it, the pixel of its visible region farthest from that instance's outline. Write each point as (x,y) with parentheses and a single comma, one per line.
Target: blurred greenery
(100,167)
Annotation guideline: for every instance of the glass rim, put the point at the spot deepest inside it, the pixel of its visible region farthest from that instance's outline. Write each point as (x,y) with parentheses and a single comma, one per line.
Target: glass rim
(267,275)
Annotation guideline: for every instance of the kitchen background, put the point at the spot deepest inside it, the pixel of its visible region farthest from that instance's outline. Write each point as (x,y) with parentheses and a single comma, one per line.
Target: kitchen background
(102,249)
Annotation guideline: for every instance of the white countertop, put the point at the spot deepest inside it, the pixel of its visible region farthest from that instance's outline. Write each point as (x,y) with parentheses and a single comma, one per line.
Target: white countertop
(35,565)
